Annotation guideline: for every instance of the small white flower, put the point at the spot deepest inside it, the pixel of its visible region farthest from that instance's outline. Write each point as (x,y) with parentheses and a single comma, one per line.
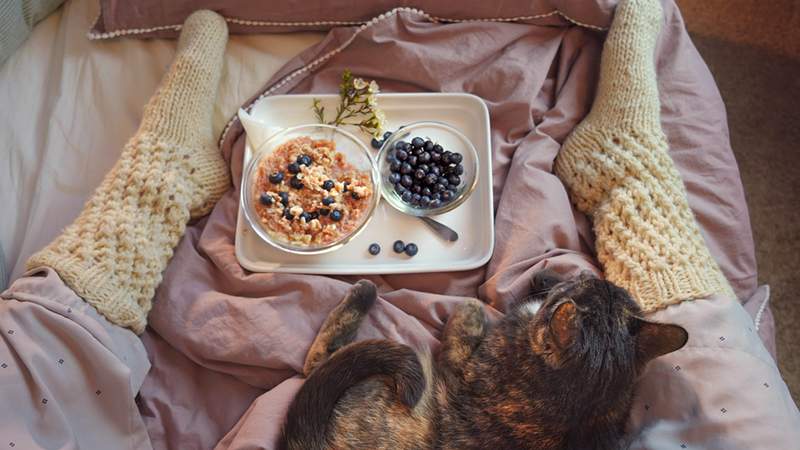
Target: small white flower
(359,83)
(373,87)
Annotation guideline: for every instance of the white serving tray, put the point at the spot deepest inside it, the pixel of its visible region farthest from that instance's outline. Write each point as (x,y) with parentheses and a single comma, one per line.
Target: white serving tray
(473,220)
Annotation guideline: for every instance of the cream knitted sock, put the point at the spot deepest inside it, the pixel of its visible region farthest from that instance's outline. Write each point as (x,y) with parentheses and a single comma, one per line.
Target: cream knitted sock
(114,253)
(617,169)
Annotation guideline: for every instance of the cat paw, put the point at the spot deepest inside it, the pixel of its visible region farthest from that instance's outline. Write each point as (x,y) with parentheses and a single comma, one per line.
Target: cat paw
(362,296)
(544,280)
(469,319)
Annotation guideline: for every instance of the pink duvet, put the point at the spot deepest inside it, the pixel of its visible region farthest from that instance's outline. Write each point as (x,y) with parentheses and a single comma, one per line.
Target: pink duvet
(227,345)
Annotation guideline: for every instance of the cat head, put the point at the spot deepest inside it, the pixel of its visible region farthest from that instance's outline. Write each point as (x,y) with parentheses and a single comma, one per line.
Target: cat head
(595,327)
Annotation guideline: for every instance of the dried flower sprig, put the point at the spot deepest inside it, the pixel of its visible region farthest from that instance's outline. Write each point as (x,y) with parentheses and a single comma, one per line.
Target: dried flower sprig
(358,105)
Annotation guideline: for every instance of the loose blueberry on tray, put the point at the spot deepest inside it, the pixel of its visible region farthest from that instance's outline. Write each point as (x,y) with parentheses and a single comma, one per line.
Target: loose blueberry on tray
(399,246)
(411,249)
(427,170)
(374,249)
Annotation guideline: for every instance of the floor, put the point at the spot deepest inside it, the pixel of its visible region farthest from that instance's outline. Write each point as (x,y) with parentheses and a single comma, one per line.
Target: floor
(758,73)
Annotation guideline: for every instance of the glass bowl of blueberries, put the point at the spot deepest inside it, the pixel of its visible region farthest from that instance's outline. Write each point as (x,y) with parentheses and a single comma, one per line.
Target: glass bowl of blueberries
(427,168)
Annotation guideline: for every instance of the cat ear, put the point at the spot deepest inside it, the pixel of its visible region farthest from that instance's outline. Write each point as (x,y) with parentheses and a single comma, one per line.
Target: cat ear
(562,324)
(656,339)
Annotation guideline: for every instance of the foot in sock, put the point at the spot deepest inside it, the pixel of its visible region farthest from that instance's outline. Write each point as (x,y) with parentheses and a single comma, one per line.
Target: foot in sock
(618,171)
(114,253)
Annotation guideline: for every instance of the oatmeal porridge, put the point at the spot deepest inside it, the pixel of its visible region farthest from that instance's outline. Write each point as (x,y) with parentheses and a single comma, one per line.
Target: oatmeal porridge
(307,194)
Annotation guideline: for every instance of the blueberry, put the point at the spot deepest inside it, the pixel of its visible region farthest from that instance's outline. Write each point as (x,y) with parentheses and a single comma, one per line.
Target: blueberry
(313,215)
(399,189)
(443,181)
(417,142)
(265,199)
(289,216)
(437,148)
(391,155)
(417,151)
(437,196)
(387,135)
(425,168)
(406,181)
(406,168)
(435,203)
(374,249)
(438,187)
(436,157)
(398,246)
(412,160)
(406,196)
(295,183)
(394,166)
(327,185)
(419,174)
(416,189)
(305,217)
(456,158)
(304,160)
(424,157)
(426,191)
(293,168)
(411,249)
(345,185)
(324,211)
(355,195)
(327,201)
(458,170)
(430,179)
(375,143)
(401,145)
(428,146)
(336,215)
(284,198)
(424,201)
(446,157)
(401,155)
(394,177)
(454,180)
(276,177)
(436,170)
(447,196)
(415,198)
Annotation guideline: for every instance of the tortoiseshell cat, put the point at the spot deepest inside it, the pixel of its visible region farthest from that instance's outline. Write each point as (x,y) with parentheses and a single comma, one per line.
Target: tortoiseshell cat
(557,372)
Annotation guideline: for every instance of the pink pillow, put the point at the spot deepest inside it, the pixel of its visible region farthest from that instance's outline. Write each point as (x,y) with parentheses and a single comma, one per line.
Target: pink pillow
(159,18)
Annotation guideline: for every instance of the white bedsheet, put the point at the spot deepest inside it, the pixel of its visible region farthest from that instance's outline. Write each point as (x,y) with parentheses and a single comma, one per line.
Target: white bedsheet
(69,105)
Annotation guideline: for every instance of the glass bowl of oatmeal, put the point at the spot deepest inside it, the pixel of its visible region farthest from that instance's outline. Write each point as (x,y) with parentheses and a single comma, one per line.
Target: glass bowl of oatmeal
(310,189)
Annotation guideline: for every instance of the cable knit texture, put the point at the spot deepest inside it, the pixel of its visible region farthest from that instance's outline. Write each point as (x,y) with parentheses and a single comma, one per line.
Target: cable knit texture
(617,168)
(114,254)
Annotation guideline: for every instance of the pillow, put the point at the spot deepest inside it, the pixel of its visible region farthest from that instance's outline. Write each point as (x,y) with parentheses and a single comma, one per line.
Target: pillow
(17,18)
(158,18)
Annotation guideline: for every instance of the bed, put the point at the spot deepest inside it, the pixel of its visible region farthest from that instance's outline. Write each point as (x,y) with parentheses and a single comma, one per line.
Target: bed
(225,361)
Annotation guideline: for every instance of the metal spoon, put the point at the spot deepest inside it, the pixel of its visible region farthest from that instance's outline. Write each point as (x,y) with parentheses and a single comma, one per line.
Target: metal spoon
(440,229)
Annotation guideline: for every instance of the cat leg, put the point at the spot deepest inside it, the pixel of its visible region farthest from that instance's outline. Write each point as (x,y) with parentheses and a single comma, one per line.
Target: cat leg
(341,325)
(464,331)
